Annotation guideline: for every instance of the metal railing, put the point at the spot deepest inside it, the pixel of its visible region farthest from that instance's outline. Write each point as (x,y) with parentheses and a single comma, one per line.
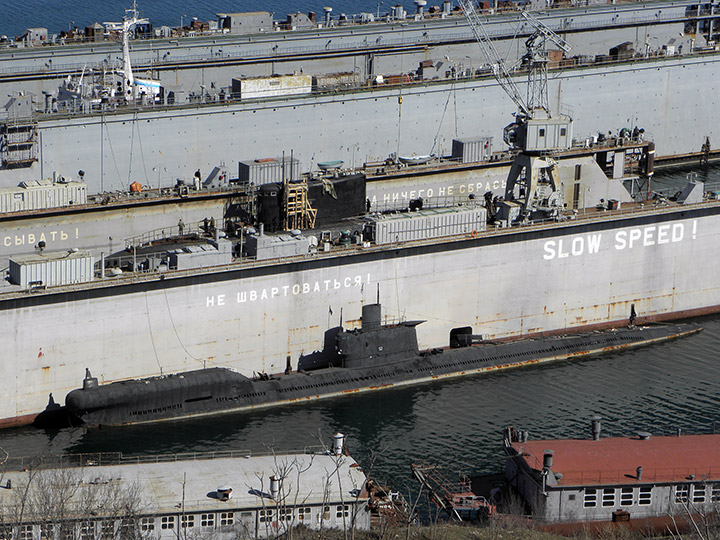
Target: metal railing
(208,99)
(97,459)
(428,203)
(590,215)
(141,62)
(196,230)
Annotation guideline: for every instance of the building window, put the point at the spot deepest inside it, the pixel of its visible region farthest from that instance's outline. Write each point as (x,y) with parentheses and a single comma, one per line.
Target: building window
(26,532)
(563,132)
(698,493)
(645,496)
(147,524)
(187,521)
(266,516)
(67,531)
(227,518)
(5,532)
(715,493)
(87,530)
(127,529)
(47,531)
(541,132)
(681,494)
(608,497)
(324,515)
(107,530)
(304,513)
(285,514)
(590,500)
(207,520)
(342,510)
(626,496)
(167,522)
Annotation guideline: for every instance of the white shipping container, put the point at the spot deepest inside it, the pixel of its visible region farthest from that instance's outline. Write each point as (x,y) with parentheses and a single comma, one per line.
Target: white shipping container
(428,223)
(331,81)
(269,170)
(473,149)
(52,269)
(41,194)
(283,85)
(203,256)
(264,247)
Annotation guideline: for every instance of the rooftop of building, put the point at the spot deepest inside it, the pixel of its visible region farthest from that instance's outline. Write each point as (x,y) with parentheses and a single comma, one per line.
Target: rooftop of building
(47,256)
(615,460)
(195,485)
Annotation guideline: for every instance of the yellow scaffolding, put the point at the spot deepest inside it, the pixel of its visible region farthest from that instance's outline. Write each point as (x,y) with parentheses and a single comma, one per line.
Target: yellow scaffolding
(298,214)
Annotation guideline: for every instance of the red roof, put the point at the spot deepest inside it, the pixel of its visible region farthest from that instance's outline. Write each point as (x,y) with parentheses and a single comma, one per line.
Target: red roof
(615,460)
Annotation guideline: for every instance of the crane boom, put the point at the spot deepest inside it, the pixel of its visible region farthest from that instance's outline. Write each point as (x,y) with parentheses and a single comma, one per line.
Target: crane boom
(546,32)
(499,69)
(534,130)
(536,61)
(533,179)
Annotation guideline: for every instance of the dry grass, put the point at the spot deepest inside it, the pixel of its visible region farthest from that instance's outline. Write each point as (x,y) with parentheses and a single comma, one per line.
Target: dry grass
(441,531)
(451,531)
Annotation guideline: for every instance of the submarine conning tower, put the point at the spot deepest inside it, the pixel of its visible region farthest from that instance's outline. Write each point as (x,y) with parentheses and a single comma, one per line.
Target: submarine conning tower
(377,344)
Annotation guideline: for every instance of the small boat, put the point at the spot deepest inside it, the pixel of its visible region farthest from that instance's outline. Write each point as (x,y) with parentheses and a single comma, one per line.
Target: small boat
(416,160)
(328,165)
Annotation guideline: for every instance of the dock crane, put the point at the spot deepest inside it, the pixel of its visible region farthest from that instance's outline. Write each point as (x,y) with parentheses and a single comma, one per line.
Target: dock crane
(533,189)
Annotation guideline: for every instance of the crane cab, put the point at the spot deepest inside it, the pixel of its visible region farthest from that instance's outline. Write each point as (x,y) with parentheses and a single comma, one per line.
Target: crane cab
(540,133)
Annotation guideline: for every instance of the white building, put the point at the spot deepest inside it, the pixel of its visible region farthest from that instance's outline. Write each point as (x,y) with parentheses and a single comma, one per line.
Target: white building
(232,496)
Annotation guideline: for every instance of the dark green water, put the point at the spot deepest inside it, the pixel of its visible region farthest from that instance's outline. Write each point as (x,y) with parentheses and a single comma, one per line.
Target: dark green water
(457,423)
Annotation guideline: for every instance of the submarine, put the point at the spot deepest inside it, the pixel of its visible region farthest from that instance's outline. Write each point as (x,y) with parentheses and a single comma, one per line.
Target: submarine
(373,357)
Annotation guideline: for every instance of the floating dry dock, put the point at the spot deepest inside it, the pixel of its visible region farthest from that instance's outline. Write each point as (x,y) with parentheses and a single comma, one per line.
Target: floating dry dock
(250,314)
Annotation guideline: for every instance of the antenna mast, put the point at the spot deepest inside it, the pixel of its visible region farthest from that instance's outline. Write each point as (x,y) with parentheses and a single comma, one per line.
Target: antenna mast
(130,21)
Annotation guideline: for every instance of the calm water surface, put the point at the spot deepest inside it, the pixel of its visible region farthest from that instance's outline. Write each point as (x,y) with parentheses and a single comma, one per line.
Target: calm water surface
(58,15)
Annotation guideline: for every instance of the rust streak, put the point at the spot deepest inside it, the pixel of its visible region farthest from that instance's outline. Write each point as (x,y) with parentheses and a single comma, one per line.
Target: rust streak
(17,421)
